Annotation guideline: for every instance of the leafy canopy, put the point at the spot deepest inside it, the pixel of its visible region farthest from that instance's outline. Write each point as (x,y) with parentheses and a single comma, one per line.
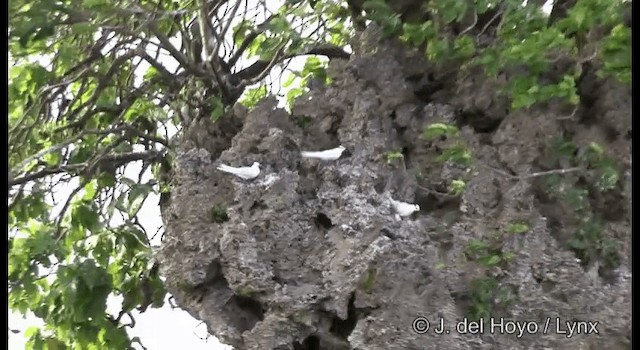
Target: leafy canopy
(98,90)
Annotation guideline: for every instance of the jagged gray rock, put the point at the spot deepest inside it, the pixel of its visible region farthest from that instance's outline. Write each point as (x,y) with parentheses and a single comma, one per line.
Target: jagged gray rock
(307,260)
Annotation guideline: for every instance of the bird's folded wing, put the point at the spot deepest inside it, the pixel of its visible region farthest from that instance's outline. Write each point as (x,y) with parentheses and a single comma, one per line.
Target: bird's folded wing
(225,167)
(310,154)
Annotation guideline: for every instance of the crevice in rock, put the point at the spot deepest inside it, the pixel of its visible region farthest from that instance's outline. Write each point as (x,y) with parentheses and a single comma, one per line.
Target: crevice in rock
(335,126)
(386,232)
(322,221)
(479,121)
(546,285)
(380,185)
(343,328)
(610,133)
(258,205)
(311,342)
(425,85)
(406,155)
(437,205)
(610,204)
(244,312)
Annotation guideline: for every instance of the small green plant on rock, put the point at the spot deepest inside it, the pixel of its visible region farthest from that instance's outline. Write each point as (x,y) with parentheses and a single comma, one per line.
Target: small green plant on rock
(219,213)
(453,151)
(488,250)
(246,292)
(303,121)
(517,227)
(457,187)
(392,156)
(487,297)
(369,281)
(587,240)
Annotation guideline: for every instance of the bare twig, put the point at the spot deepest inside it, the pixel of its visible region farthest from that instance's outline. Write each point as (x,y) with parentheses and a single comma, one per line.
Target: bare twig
(550,172)
(179,56)
(274,60)
(473,25)
(532,175)
(224,31)
(116,161)
(571,116)
(486,26)
(58,226)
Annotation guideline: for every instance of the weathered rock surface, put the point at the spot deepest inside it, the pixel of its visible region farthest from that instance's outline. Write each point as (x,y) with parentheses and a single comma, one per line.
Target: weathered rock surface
(310,256)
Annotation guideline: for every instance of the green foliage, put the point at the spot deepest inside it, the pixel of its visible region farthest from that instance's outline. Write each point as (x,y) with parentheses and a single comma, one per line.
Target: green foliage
(369,280)
(455,150)
(417,34)
(616,54)
(297,82)
(303,121)
(596,158)
(436,130)
(219,213)
(380,12)
(87,98)
(458,153)
(218,109)
(253,96)
(517,227)
(488,250)
(457,187)
(246,292)
(525,41)
(392,156)
(83,107)
(486,297)
(587,240)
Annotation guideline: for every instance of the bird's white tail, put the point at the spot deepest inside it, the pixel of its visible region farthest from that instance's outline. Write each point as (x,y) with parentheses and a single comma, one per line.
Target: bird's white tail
(223,167)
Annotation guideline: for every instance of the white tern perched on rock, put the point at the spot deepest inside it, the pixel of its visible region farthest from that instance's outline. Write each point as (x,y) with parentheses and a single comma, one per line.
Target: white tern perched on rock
(246,173)
(403,209)
(330,154)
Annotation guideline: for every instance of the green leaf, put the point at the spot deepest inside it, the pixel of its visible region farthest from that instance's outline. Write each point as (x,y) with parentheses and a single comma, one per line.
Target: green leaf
(608,179)
(523,101)
(290,79)
(83,28)
(493,260)
(218,111)
(457,187)
(436,130)
(137,195)
(85,216)
(292,95)
(253,96)
(96,4)
(90,190)
(52,159)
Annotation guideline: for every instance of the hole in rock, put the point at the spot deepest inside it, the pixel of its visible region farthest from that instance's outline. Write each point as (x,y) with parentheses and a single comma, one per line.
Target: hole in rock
(321,220)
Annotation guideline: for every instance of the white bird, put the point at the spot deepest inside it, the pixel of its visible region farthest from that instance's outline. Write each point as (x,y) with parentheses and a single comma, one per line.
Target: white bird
(245,173)
(403,209)
(330,154)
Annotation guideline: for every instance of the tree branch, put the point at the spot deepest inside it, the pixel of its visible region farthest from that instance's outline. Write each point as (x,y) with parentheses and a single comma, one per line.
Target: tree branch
(330,51)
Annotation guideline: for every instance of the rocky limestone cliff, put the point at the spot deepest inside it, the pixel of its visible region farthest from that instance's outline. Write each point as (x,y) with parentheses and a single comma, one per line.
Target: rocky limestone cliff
(309,256)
